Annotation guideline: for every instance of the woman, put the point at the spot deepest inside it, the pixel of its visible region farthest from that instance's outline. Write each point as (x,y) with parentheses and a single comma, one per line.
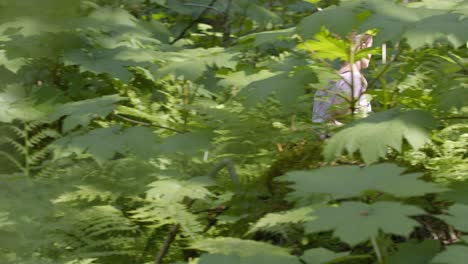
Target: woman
(336,100)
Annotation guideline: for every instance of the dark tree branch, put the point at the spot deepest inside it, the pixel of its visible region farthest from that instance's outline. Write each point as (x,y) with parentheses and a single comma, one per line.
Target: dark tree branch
(193,22)
(148,124)
(227,25)
(169,239)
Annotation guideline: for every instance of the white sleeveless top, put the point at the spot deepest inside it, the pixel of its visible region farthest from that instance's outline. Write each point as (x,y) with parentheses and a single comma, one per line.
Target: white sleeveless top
(330,102)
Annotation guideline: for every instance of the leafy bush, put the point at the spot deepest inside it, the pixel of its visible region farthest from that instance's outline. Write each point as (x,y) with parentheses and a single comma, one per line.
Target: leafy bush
(157,131)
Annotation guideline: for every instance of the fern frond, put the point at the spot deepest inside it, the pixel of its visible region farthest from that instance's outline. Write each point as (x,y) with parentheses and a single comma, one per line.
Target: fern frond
(43,134)
(98,232)
(159,214)
(36,157)
(276,222)
(12,160)
(17,131)
(86,193)
(21,149)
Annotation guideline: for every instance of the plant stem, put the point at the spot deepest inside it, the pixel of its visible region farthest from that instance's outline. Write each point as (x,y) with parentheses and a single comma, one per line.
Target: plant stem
(193,22)
(169,239)
(27,169)
(375,245)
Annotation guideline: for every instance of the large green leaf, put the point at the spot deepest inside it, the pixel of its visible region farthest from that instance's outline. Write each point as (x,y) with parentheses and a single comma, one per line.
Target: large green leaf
(356,222)
(18,102)
(458,215)
(286,87)
(192,63)
(455,254)
(320,256)
(395,21)
(80,113)
(188,143)
(104,143)
(111,61)
(415,252)
(351,181)
(373,135)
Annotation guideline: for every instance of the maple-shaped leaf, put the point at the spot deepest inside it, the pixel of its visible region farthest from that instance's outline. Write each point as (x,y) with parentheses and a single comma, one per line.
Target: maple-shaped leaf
(236,246)
(455,254)
(325,46)
(373,135)
(104,143)
(454,98)
(114,62)
(351,181)
(355,222)
(192,63)
(394,21)
(457,192)
(321,256)
(81,113)
(444,28)
(415,252)
(255,259)
(457,217)
(286,87)
(312,24)
(18,102)
(188,143)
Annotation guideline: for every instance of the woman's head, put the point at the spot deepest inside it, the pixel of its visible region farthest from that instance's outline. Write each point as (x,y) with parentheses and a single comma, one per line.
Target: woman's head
(359,42)
(362,41)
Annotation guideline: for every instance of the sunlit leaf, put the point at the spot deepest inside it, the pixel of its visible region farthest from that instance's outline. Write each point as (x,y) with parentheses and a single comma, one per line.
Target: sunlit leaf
(373,135)
(351,181)
(355,222)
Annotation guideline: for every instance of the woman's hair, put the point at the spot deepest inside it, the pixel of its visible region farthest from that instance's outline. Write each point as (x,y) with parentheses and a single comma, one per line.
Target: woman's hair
(361,41)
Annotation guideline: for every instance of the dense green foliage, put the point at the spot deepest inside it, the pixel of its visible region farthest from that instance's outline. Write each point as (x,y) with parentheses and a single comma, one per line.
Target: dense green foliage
(177,131)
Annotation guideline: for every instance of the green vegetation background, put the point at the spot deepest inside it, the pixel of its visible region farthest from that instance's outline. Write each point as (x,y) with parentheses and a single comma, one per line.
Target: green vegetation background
(178,131)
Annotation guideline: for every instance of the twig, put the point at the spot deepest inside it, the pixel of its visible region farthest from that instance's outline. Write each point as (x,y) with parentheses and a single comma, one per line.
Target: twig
(148,124)
(196,20)
(384,70)
(377,250)
(455,59)
(227,25)
(205,6)
(452,117)
(169,239)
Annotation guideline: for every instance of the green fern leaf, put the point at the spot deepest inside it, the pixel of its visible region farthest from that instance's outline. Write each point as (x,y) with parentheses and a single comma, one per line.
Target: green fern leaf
(160,213)
(176,191)
(351,181)
(273,221)
(236,246)
(356,222)
(373,135)
(86,193)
